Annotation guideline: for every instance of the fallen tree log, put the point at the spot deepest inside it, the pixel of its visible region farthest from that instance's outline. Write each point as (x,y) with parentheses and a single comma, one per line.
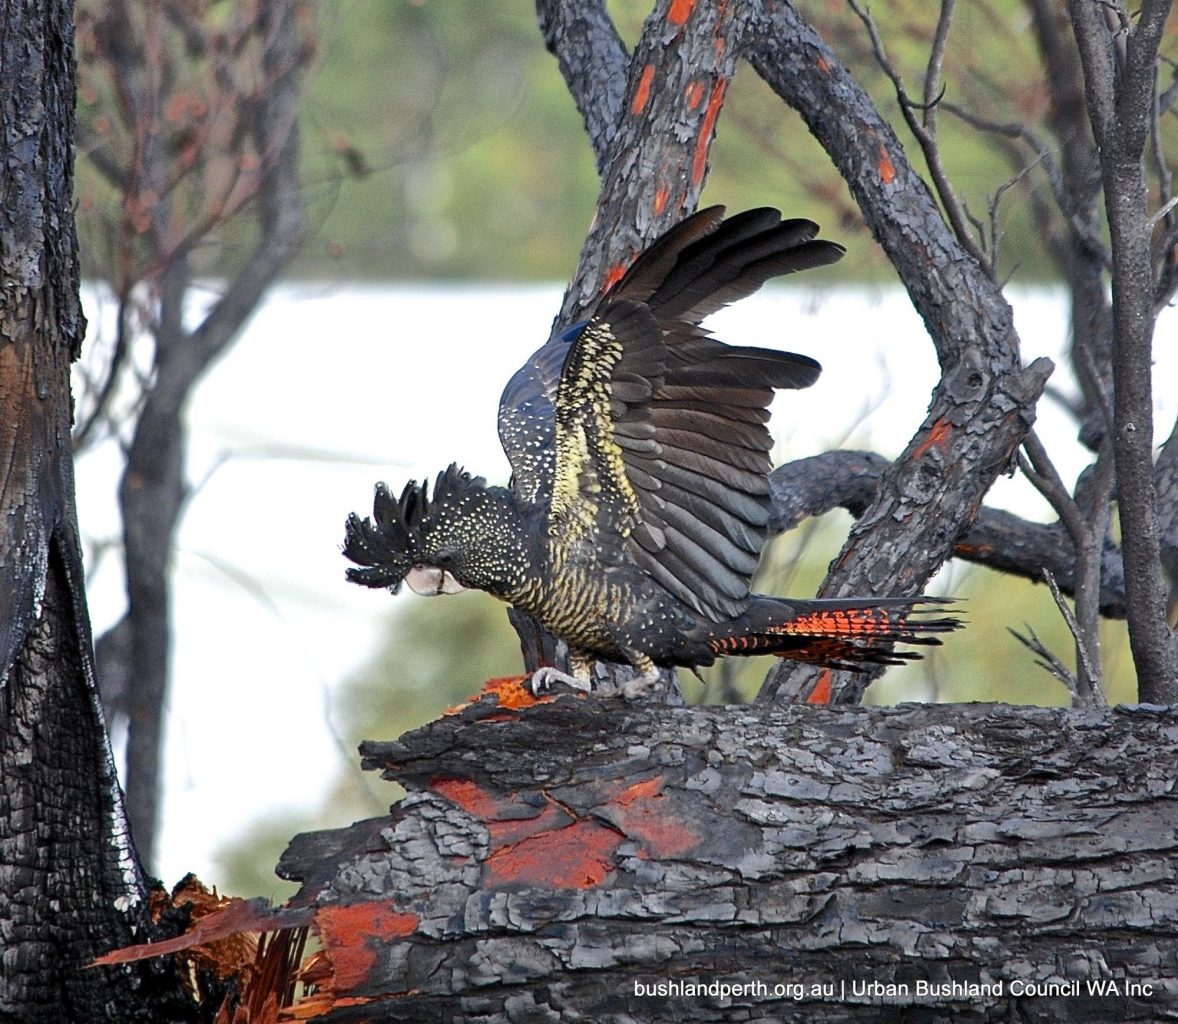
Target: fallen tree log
(591,860)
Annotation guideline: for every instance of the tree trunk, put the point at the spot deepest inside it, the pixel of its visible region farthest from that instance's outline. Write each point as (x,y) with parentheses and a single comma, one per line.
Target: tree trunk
(547,863)
(70,883)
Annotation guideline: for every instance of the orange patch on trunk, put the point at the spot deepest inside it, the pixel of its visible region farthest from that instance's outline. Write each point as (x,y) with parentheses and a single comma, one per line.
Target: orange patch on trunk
(661,195)
(694,94)
(613,276)
(887,169)
(821,692)
(938,437)
(680,11)
(471,797)
(508,820)
(642,93)
(356,935)
(641,813)
(578,856)
(640,790)
(699,163)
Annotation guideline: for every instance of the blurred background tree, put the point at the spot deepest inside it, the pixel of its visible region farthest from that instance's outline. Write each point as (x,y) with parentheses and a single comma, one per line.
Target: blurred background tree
(188,154)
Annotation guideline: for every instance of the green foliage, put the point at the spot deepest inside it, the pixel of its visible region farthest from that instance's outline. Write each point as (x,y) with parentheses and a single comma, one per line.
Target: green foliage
(442,142)
(447,145)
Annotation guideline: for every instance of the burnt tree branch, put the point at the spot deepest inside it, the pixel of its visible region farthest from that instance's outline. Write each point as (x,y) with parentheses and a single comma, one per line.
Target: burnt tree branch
(594,63)
(997,539)
(656,161)
(546,861)
(70,883)
(984,403)
(1120,90)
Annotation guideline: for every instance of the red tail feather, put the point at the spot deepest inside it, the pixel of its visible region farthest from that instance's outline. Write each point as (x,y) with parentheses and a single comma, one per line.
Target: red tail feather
(834,633)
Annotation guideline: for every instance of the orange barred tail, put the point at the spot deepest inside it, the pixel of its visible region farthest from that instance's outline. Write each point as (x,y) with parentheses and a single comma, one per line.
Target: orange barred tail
(835,633)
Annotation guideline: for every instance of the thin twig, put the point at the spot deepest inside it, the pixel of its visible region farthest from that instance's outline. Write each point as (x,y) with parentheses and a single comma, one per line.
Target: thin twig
(1041,471)
(996,201)
(926,138)
(1089,670)
(1045,156)
(1047,659)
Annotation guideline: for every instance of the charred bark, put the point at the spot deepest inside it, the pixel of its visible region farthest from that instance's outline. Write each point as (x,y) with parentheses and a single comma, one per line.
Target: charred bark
(545,862)
(70,883)
(997,539)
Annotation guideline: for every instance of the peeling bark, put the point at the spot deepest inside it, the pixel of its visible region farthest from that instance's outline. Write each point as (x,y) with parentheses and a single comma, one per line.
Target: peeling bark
(529,879)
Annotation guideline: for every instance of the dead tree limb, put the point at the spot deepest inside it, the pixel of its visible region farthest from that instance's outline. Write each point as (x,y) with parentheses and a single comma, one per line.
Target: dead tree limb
(985,400)
(547,862)
(997,539)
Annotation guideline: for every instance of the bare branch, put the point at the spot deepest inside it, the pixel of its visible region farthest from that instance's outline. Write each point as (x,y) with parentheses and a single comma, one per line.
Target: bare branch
(1120,101)
(1088,689)
(925,128)
(594,63)
(998,540)
(929,496)
(1055,177)
(1046,658)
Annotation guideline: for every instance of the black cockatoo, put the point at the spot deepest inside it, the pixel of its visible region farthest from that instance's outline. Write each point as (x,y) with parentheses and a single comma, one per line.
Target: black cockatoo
(638,503)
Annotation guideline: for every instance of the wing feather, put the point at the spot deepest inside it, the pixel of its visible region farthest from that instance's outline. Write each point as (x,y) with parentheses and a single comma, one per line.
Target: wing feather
(648,437)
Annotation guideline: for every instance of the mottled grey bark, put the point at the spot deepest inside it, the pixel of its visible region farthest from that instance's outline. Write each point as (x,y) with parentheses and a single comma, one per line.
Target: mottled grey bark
(544,862)
(1120,93)
(593,60)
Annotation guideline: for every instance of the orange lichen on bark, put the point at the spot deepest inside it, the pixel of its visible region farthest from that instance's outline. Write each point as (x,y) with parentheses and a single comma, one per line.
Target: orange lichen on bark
(938,437)
(887,169)
(642,92)
(821,692)
(699,163)
(680,11)
(694,93)
(578,856)
(355,936)
(824,65)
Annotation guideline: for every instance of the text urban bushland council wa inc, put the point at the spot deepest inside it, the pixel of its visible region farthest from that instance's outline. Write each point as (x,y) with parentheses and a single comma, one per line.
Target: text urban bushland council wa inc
(914,991)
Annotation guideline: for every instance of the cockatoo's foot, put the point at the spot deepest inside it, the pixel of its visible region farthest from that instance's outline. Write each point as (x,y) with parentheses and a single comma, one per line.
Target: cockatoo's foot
(641,685)
(543,679)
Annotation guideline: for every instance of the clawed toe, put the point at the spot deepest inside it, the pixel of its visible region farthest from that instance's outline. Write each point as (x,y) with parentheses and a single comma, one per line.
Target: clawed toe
(544,678)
